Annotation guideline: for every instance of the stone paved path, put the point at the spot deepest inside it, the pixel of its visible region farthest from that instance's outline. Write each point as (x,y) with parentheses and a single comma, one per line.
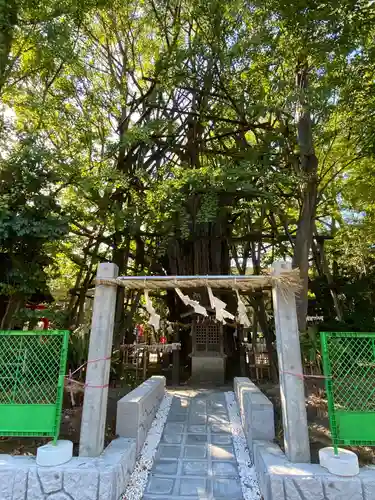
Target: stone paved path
(195,458)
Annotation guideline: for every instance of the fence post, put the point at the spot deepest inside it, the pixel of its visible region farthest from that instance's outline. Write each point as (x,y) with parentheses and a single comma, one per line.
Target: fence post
(296,437)
(97,375)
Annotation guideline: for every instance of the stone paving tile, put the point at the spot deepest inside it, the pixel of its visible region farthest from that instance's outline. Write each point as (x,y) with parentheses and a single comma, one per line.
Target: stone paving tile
(177,417)
(217,410)
(227,488)
(179,411)
(195,458)
(198,403)
(180,402)
(171,438)
(196,438)
(221,428)
(217,403)
(166,467)
(224,469)
(160,485)
(218,419)
(196,451)
(194,468)
(173,427)
(197,429)
(198,419)
(193,486)
(221,452)
(168,451)
(221,439)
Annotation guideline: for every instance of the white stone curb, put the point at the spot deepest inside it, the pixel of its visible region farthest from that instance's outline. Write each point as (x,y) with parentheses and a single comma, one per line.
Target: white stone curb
(138,479)
(249,482)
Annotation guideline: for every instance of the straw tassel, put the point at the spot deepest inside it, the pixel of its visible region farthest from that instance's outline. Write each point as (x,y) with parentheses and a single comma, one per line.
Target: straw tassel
(154,319)
(192,303)
(243,318)
(219,307)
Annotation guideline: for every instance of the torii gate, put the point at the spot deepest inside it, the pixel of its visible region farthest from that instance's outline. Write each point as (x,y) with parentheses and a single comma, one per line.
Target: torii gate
(284,285)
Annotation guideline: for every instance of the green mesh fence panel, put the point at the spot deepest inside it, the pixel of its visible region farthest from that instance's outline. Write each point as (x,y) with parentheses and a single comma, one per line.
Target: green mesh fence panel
(349,365)
(32,369)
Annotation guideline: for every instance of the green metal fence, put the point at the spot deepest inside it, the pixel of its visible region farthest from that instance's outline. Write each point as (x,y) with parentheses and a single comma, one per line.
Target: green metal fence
(32,369)
(349,365)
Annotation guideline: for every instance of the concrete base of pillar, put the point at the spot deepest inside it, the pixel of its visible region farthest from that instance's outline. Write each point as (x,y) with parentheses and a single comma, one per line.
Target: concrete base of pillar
(51,454)
(206,368)
(343,464)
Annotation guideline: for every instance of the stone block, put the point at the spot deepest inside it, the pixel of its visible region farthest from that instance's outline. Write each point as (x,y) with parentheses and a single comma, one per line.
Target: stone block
(82,485)
(256,411)
(105,477)
(124,452)
(50,479)
(267,454)
(280,479)
(107,483)
(368,483)
(208,369)
(311,488)
(6,484)
(20,484)
(59,495)
(336,487)
(136,410)
(34,486)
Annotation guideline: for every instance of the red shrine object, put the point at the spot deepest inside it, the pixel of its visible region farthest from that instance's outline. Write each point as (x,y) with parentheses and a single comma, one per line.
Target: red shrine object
(40,307)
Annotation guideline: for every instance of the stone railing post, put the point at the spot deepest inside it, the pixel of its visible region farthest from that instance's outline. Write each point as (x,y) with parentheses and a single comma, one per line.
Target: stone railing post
(98,369)
(296,437)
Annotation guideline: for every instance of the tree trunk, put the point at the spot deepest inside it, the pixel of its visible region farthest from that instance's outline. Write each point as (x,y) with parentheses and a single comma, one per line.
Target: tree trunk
(120,258)
(206,252)
(8,21)
(323,269)
(14,303)
(268,335)
(308,167)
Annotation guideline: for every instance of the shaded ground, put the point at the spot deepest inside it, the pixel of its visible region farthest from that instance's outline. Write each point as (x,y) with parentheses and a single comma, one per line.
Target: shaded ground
(72,411)
(70,425)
